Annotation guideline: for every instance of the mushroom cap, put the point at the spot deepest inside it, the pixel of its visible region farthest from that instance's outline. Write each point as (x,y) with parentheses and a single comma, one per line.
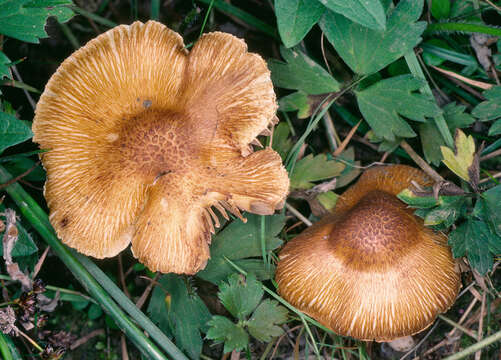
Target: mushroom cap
(371,269)
(145,138)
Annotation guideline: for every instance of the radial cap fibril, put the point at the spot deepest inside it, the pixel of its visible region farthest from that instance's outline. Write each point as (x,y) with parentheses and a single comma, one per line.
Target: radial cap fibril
(144,139)
(371,269)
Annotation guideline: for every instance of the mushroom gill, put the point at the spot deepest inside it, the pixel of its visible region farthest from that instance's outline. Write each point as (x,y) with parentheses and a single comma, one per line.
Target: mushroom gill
(371,269)
(146,138)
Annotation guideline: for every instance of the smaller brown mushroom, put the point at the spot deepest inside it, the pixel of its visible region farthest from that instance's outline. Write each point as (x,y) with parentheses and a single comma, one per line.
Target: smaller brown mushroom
(371,269)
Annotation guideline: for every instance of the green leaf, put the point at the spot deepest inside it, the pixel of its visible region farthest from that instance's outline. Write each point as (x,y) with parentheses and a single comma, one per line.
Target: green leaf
(367,51)
(94,312)
(328,199)
(281,140)
(25,19)
(446,214)
(460,160)
(472,239)
(241,240)
(4,66)
(415,201)
(314,168)
(495,128)
(429,57)
(366,13)
(440,9)
(25,246)
(186,313)
(12,131)
(431,141)
(297,101)
(456,117)
(301,73)
(240,296)
(492,200)
(430,136)
(491,108)
(295,18)
(384,103)
(223,330)
(263,323)
(21,165)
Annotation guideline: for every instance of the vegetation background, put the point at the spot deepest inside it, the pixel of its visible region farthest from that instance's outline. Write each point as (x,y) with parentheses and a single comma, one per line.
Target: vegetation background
(359,83)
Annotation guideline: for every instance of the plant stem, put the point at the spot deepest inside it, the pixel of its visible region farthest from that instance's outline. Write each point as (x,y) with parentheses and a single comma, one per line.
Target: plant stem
(415,68)
(475,347)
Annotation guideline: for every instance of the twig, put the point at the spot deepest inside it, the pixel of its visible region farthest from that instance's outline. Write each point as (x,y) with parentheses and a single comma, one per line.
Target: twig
(140,302)
(479,84)
(19,177)
(459,327)
(332,136)
(298,215)
(86,338)
(123,345)
(322,47)
(478,354)
(420,162)
(28,96)
(474,348)
(491,155)
(346,140)
(40,262)
(122,277)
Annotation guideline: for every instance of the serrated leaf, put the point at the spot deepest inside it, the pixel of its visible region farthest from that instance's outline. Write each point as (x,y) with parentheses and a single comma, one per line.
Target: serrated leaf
(367,51)
(384,103)
(301,73)
(446,214)
(456,117)
(241,240)
(430,137)
(440,9)
(295,18)
(4,67)
(491,108)
(296,101)
(25,20)
(418,202)
(460,160)
(366,13)
(281,140)
(472,239)
(186,313)
(492,200)
(223,330)
(240,296)
(495,128)
(12,131)
(263,323)
(314,168)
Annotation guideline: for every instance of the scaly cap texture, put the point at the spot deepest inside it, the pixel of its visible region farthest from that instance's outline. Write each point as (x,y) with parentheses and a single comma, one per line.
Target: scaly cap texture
(371,269)
(146,138)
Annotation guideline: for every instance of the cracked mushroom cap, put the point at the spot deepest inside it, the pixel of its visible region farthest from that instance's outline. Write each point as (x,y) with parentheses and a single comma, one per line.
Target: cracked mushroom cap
(146,139)
(371,269)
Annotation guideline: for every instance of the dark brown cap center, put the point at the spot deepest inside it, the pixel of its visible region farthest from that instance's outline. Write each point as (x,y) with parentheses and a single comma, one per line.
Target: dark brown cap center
(375,230)
(154,143)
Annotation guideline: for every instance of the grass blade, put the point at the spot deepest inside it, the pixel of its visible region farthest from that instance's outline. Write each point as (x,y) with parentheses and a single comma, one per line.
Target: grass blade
(39,220)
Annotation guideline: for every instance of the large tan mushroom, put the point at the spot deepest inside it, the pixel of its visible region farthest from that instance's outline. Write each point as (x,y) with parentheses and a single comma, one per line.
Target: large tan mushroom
(371,269)
(146,139)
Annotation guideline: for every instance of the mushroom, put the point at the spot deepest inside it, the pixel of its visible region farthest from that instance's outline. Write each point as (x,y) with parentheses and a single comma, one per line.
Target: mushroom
(371,269)
(146,139)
